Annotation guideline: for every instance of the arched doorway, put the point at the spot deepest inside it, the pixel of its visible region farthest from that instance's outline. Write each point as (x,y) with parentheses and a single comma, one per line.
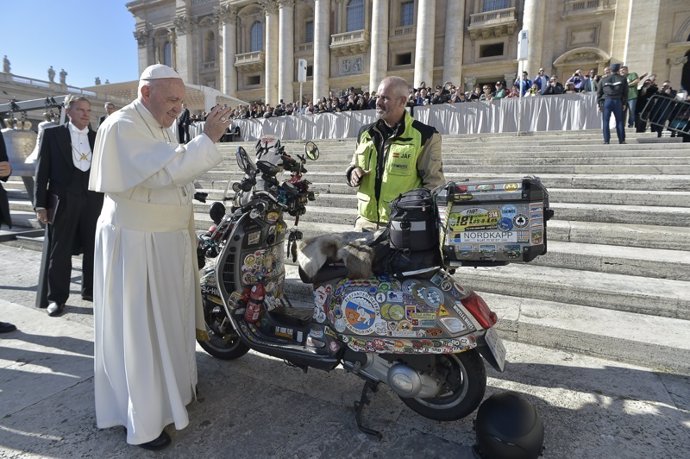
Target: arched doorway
(584,58)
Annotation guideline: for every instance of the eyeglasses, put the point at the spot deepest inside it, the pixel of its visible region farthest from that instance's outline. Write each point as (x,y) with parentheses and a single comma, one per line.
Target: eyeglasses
(485,88)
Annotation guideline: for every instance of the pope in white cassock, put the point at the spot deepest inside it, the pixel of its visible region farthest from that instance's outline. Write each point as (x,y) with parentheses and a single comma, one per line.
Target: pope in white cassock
(147,302)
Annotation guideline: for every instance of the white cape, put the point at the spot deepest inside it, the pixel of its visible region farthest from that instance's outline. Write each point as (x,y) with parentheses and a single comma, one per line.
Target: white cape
(146,286)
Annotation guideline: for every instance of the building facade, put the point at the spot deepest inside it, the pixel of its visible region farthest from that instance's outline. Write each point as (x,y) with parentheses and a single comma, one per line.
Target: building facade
(252,49)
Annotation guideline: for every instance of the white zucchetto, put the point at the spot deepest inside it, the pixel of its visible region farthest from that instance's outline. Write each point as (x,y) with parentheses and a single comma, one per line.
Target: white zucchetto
(158,72)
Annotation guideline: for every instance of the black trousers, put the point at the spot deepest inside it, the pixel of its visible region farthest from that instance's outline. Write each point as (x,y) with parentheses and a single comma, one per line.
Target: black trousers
(183,133)
(73,231)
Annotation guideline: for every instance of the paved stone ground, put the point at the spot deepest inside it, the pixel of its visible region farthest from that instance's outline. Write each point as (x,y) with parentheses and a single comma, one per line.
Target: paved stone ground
(258,407)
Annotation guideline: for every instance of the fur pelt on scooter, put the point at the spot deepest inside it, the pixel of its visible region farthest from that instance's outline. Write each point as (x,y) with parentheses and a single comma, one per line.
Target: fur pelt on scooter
(352,248)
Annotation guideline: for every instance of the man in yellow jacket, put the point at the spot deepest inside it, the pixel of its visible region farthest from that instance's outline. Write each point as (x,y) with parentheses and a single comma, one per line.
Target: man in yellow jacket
(393,155)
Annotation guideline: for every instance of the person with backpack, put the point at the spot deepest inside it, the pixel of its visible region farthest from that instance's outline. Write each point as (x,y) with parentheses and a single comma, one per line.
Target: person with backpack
(612,97)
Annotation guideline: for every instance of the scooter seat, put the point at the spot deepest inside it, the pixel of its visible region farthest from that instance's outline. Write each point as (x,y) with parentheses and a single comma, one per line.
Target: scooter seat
(325,273)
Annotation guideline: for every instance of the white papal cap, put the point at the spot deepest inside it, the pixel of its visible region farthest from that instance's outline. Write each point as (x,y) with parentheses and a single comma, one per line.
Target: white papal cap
(157,72)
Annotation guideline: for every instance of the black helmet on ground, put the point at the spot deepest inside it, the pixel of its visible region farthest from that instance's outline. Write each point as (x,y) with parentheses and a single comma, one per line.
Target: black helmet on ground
(508,427)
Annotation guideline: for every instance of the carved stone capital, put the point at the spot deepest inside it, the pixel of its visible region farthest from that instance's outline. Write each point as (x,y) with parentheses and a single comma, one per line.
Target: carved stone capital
(286,3)
(182,24)
(269,6)
(226,13)
(142,37)
(678,60)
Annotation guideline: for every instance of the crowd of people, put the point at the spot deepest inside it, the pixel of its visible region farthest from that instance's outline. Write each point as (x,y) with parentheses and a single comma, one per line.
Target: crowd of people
(640,89)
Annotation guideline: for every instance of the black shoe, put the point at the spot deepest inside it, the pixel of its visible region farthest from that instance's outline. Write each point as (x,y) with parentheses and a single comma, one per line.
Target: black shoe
(605,142)
(55,309)
(87,297)
(622,142)
(161,442)
(6,327)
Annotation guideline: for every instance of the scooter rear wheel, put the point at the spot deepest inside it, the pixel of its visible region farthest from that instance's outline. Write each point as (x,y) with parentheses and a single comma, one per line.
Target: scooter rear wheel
(463,388)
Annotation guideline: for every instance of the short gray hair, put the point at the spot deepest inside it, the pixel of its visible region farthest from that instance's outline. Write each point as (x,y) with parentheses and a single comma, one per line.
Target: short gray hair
(399,85)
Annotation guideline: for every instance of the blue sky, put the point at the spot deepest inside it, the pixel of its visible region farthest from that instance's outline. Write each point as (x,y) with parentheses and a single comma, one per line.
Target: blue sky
(88,38)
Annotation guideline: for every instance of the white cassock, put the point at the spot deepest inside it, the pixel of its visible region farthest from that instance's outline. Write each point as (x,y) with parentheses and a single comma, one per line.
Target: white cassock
(146,286)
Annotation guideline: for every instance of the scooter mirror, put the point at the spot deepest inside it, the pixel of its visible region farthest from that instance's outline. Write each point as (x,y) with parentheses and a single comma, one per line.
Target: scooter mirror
(311,150)
(217,212)
(243,161)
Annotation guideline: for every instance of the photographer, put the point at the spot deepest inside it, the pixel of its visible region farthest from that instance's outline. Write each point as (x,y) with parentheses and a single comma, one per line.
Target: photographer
(554,87)
(577,80)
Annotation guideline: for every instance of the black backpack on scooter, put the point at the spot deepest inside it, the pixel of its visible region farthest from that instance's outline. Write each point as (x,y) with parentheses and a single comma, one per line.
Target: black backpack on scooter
(410,244)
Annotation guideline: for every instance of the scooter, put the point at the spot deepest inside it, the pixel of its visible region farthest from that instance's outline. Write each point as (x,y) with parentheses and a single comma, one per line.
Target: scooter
(426,336)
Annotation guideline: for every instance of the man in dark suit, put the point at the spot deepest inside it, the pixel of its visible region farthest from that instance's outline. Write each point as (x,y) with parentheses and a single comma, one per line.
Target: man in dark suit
(183,122)
(109,109)
(5,171)
(63,201)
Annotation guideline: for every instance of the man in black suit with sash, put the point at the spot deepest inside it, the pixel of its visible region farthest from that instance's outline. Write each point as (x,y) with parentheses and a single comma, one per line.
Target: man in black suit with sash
(63,201)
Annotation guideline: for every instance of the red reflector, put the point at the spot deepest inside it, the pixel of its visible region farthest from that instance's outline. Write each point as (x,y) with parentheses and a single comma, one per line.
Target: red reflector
(476,305)
(461,188)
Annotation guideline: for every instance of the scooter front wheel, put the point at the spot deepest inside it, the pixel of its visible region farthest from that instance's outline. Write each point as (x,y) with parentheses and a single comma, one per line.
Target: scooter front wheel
(463,387)
(224,343)
(224,347)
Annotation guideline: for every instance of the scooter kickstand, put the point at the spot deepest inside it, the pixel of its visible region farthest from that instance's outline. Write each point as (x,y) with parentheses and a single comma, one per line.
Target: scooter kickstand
(359,407)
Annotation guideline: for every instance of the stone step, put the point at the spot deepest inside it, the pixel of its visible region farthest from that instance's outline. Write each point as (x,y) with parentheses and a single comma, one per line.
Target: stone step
(341,162)
(658,342)
(586,256)
(333,207)
(642,295)
(217,179)
(540,169)
(587,232)
(630,261)
(642,236)
(566,195)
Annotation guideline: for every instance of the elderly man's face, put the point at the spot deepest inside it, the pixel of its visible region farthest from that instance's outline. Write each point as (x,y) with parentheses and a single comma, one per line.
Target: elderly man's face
(163,98)
(389,104)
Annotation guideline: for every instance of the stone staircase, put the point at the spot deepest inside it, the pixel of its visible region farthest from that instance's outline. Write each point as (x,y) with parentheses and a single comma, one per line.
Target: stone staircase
(615,282)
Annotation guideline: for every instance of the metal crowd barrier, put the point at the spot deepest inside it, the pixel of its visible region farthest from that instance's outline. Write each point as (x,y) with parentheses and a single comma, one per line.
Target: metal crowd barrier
(661,110)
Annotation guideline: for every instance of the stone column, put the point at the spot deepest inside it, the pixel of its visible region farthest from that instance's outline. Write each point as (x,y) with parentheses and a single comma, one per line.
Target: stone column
(271,53)
(643,23)
(185,49)
(322,51)
(286,57)
(533,21)
(424,49)
(454,42)
(145,47)
(379,43)
(227,16)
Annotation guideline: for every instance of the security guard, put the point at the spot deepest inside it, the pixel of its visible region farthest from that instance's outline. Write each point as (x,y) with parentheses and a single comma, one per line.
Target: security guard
(393,155)
(612,96)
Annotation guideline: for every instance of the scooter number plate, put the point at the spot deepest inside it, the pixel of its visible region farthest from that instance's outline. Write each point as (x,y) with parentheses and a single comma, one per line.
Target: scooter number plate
(495,344)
